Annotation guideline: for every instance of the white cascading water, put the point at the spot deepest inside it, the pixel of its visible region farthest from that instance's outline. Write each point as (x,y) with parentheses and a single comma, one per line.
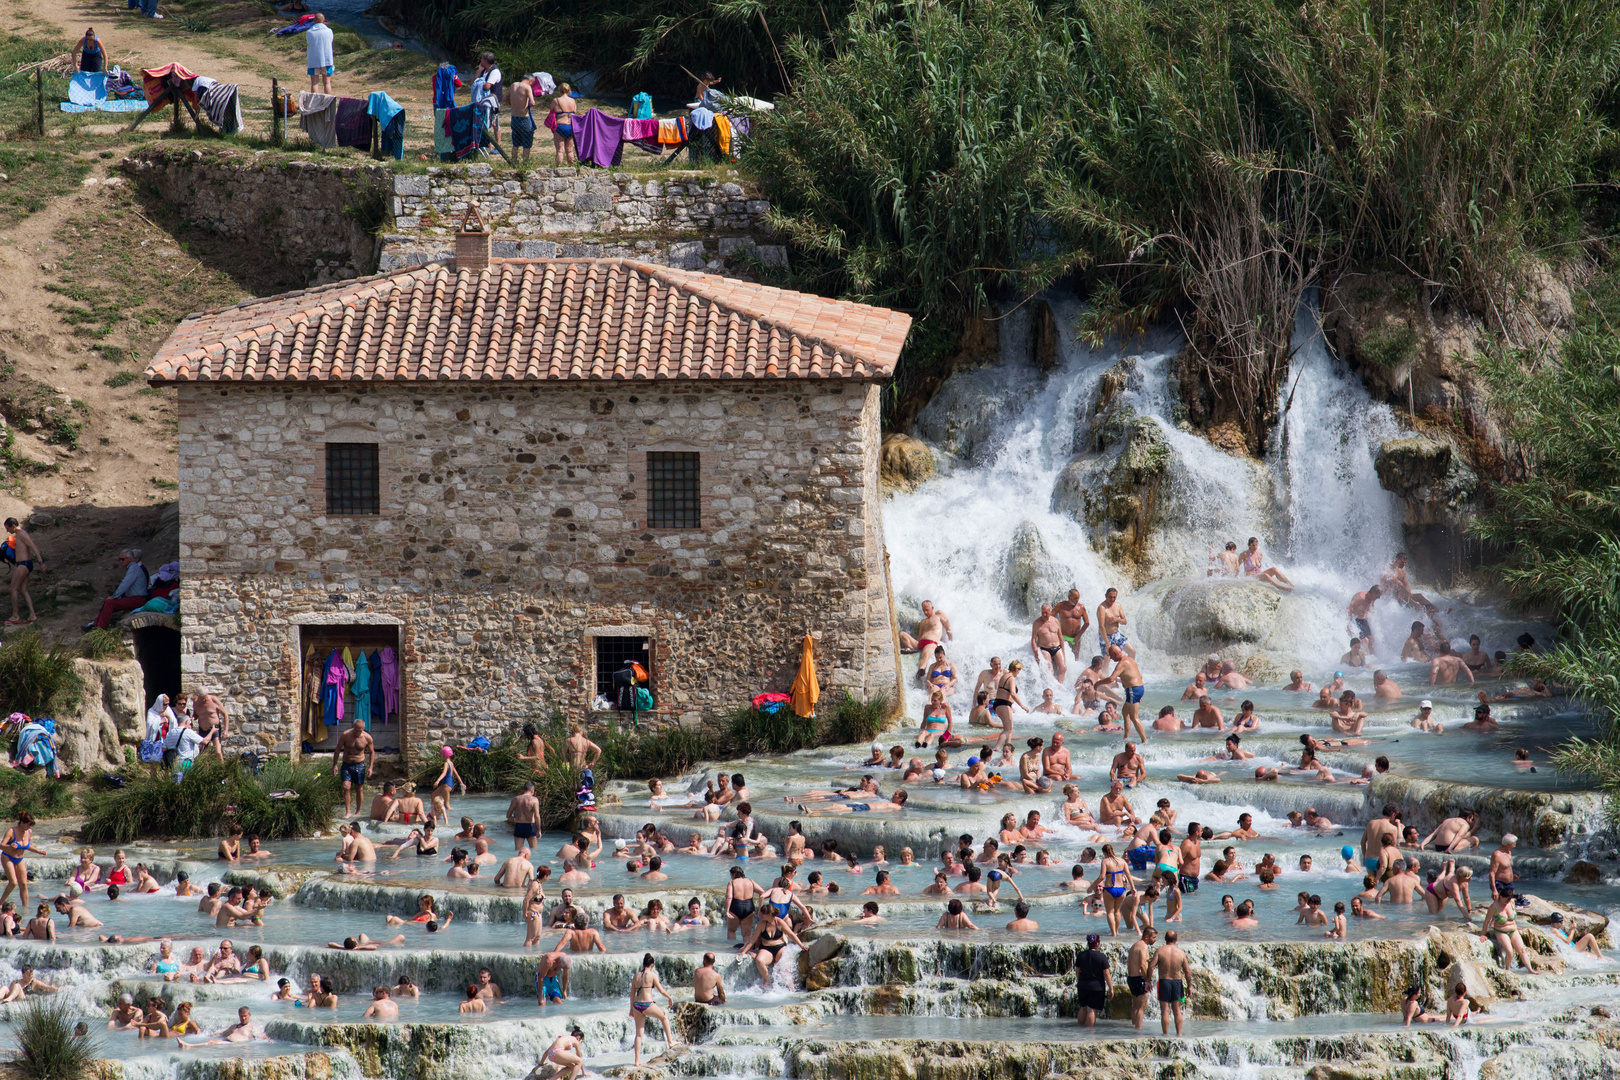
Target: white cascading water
(1315,504)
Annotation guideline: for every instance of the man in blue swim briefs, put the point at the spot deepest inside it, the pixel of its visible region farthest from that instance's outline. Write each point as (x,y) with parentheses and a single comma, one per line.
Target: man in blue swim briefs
(356,754)
(1129,678)
(1111,624)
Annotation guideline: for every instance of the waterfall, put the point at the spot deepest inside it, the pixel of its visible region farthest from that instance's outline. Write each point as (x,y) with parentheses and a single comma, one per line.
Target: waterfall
(1003,527)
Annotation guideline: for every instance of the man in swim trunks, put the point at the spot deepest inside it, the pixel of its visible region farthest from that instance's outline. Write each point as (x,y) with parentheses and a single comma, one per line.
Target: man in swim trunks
(1073,620)
(551,978)
(1208,716)
(356,755)
(381,804)
(988,678)
(1173,972)
(1501,869)
(1395,577)
(706,985)
(1111,624)
(1055,760)
(1447,667)
(1385,826)
(524,814)
(1360,609)
(1114,808)
(1192,860)
(934,628)
(1046,636)
(1139,974)
(1128,766)
(516,872)
(1128,677)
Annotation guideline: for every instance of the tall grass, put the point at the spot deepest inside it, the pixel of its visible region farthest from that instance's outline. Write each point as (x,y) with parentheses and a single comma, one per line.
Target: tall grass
(210,795)
(34,792)
(104,645)
(37,679)
(47,1049)
(1207,161)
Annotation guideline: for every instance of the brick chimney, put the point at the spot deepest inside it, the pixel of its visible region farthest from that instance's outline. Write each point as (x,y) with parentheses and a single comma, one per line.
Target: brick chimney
(472,243)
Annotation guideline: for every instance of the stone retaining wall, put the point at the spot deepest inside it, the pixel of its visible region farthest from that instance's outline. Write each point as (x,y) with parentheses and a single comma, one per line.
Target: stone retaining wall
(307,215)
(687,220)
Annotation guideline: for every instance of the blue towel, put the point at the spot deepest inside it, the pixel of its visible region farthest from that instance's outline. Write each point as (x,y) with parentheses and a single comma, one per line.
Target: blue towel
(383,107)
(702,119)
(641,107)
(444,87)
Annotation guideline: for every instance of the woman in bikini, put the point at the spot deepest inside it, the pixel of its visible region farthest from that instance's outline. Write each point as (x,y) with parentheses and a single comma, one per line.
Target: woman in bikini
(1074,809)
(941,676)
(567,1053)
(771,936)
(1006,697)
(1502,930)
(562,136)
(694,919)
(19,550)
(534,910)
(1114,881)
(741,893)
(936,721)
(230,848)
(980,715)
(643,985)
(15,846)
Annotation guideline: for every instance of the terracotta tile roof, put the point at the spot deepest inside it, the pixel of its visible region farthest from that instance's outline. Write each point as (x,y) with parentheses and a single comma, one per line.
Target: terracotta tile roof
(535,319)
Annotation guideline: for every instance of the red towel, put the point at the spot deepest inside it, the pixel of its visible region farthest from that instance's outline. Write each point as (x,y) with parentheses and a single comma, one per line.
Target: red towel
(155,81)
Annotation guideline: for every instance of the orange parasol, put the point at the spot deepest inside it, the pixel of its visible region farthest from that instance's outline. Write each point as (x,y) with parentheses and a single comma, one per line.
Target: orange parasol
(806,691)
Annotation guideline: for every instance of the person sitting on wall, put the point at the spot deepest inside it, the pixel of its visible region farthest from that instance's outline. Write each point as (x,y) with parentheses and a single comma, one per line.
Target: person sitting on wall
(131,593)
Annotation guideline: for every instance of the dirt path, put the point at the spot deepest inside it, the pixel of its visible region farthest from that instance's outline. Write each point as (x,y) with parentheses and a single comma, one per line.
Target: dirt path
(151,41)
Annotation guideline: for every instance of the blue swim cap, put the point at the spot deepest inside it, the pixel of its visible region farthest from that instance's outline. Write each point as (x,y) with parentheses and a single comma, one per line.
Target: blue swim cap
(1347,851)
(973,761)
(995,875)
(1338,674)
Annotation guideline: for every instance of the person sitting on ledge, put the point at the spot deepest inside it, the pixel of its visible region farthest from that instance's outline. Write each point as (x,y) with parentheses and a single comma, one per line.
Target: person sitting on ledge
(131,592)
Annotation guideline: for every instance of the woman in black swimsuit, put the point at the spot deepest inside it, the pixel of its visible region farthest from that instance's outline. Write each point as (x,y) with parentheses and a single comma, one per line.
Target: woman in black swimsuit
(740,896)
(770,938)
(19,549)
(1006,697)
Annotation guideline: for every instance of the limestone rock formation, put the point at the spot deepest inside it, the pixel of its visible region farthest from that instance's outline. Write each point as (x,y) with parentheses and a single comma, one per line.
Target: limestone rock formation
(1576,920)
(1211,615)
(1116,493)
(1437,489)
(904,461)
(111,713)
(1582,872)
(965,415)
(1032,577)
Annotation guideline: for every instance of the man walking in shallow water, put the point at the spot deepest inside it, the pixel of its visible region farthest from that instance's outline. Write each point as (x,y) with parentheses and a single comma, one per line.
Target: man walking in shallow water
(1129,679)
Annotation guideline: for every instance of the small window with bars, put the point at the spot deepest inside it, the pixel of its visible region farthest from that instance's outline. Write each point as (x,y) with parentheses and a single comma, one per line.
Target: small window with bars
(352,482)
(672,491)
(612,652)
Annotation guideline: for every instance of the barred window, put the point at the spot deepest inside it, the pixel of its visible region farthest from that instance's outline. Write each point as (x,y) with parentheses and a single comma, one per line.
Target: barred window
(352,485)
(672,491)
(612,652)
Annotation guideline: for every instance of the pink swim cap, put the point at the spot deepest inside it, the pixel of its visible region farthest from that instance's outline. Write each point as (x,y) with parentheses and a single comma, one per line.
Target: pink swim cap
(446,751)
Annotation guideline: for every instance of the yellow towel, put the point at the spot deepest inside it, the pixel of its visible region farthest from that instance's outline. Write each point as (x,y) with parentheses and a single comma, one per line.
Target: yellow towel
(668,132)
(722,127)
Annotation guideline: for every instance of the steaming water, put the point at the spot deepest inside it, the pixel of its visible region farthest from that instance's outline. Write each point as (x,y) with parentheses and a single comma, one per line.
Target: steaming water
(1315,503)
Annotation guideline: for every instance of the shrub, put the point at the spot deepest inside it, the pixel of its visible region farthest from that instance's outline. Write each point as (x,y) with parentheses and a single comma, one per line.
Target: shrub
(104,645)
(47,1049)
(497,769)
(35,679)
(211,793)
(856,721)
(34,792)
(751,731)
(630,755)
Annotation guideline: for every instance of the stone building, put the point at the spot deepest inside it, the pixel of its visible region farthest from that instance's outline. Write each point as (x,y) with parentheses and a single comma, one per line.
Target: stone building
(516,473)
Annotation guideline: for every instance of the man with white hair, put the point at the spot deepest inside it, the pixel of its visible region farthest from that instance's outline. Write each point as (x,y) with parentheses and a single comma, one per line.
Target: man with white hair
(131,593)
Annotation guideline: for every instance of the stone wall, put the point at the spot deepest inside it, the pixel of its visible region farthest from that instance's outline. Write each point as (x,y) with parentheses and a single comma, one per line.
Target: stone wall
(688,220)
(312,216)
(513,531)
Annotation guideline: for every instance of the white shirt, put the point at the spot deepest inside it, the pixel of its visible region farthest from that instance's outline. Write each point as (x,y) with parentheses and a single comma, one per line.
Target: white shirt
(319,45)
(189,742)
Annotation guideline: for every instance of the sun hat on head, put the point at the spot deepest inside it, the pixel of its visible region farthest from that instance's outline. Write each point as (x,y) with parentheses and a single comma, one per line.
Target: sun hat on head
(1425,704)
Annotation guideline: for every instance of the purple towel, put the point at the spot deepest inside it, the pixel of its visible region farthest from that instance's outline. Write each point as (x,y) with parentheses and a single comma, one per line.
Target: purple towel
(599,138)
(353,123)
(390,682)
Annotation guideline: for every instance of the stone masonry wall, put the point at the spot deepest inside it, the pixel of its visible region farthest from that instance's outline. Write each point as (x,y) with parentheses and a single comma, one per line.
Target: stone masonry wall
(687,220)
(513,530)
(301,214)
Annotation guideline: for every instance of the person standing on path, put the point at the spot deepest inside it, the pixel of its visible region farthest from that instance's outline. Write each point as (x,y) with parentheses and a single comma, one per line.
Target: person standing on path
(521,100)
(355,755)
(318,56)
